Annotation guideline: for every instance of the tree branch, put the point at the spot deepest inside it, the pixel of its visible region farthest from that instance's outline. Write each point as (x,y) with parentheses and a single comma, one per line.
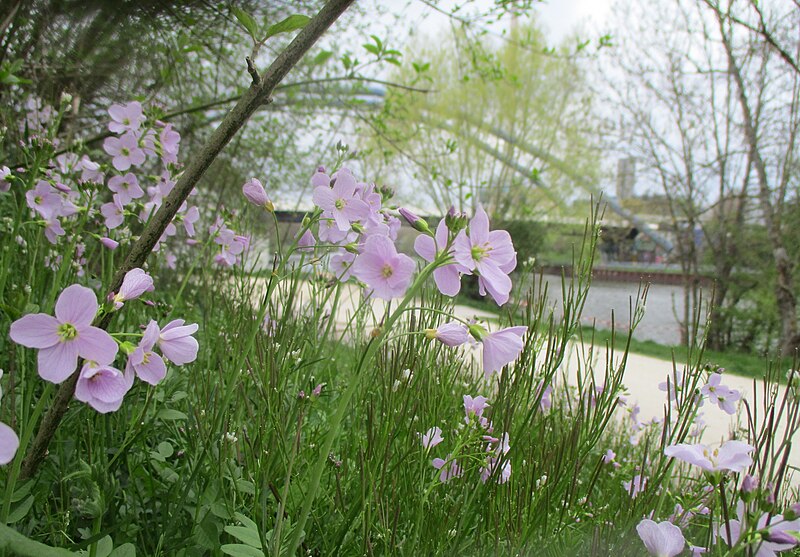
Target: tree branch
(238,116)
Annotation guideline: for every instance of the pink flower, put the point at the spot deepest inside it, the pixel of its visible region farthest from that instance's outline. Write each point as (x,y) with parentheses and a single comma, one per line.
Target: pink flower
(44,200)
(102,387)
(125,117)
(775,540)
(170,144)
(109,243)
(341,264)
(448,472)
(720,394)
(4,173)
(255,194)
(113,212)
(501,348)
(449,334)
(493,464)
(65,337)
(386,273)
(191,216)
(635,486)
(732,455)
(126,187)
(431,438)
(125,151)
(9,443)
(474,407)
(147,365)
(176,342)
(662,539)
(306,242)
(447,277)
(341,200)
(490,253)
(135,283)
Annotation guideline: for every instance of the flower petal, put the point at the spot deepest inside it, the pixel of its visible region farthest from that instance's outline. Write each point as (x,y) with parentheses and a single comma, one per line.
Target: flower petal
(76,305)
(9,443)
(96,345)
(35,330)
(57,362)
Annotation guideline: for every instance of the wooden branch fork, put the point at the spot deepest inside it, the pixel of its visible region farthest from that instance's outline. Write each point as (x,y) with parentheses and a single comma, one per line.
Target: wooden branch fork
(256,96)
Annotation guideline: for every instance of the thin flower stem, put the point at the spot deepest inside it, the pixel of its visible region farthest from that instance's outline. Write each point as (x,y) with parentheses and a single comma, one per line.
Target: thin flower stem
(344,405)
(253,99)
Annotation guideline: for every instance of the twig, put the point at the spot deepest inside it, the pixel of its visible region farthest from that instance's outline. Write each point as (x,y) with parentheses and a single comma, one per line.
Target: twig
(251,69)
(238,116)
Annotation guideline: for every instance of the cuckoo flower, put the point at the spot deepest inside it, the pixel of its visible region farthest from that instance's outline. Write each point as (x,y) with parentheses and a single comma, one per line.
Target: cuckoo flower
(65,337)
(720,395)
(257,195)
(113,212)
(447,277)
(102,387)
(44,199)
(341,200)
(386,273)
(135,283)
(489,253)
(774,539)
(449,334)
(662,539)
(9,443)
(501,348)
(125,117)
(109,243)
(4,173)
(126,187)
(431,438)
(170,141)
(474,407)
(732,455)
(448,472)
(176,342)
(341,264)
(125,151)
(147,365)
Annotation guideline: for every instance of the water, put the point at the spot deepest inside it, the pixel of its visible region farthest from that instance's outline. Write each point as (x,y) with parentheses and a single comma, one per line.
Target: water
(660,322)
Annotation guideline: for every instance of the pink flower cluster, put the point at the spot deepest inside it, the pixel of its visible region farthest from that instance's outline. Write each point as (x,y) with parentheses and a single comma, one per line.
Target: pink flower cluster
(69,335)
(231,245)
(495,463)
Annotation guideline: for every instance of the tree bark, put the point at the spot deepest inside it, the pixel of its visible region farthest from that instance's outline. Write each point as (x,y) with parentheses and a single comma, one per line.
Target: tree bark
(256,96)
(784,295)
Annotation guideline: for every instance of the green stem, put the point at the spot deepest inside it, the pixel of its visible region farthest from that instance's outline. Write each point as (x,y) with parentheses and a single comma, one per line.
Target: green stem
(344,405)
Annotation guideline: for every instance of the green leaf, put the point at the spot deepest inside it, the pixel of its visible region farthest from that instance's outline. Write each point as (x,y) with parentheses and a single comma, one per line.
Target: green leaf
(246,521)
(167,414)
(14,543)
(241,550)
(245,535)
(322,57)
(291,23)
(247,21)
(125,550)
(19,513)
(165,449)
(371,48)
(104,547)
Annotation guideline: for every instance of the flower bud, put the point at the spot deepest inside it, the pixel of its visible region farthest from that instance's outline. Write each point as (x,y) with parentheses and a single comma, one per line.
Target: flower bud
(255,194)
(455,222)
(416,222)
(109,243)
(749,486)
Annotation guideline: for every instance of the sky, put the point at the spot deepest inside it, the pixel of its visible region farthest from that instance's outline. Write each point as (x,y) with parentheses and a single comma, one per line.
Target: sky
(559,16)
